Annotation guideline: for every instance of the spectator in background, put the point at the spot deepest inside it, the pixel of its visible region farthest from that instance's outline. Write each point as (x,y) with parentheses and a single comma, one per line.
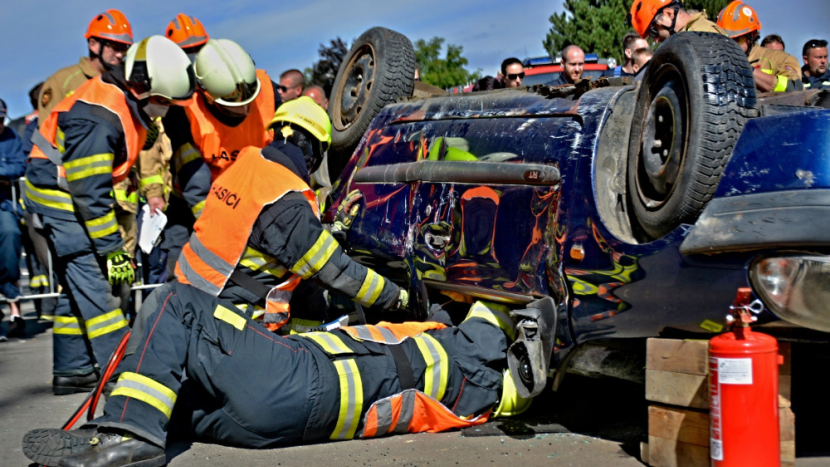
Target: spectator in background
(774,42)
(512,72)
(417,72)
(488,83)
(631,42)
(640,58)
(318,95)
(573,63)
(292,83)
(816,75)
(12,167)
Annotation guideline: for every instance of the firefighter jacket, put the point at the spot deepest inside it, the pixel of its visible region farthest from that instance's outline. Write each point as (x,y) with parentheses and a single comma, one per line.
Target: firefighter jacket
(63,84)
(779,64)
(816,82)
(88,143)
(205,141)
(261,219)
(700,22)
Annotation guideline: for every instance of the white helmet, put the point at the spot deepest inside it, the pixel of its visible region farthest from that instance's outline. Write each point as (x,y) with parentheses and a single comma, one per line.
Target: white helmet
(156,66)
(227,73)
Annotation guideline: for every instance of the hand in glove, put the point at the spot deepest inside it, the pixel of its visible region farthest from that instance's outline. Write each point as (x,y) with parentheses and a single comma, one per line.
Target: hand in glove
(345,215)
(120,267)
(403,300)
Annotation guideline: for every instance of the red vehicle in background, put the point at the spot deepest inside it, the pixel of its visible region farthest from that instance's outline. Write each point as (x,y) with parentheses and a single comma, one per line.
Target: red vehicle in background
(541,70)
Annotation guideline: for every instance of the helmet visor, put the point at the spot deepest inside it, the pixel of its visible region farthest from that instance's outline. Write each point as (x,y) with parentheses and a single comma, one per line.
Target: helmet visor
(243,94)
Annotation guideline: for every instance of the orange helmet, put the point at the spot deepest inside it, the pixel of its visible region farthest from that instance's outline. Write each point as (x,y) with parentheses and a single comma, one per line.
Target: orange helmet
(186,31)
(643,13)
(738,19)
(111,25)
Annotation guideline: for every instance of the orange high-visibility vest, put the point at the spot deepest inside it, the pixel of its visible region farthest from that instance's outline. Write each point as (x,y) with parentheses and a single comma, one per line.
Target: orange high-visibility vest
(109,96)
(219,144)
(220,236)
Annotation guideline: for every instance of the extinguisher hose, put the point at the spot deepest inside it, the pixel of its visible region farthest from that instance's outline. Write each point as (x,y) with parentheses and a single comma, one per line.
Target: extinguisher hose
(90,403)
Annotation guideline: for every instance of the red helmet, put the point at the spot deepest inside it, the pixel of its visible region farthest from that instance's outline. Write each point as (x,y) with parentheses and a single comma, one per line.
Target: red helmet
(738,19)
(643,13)
(111,25)
(186,31)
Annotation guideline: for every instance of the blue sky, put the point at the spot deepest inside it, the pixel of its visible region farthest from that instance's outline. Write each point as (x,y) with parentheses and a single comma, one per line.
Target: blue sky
(42,36)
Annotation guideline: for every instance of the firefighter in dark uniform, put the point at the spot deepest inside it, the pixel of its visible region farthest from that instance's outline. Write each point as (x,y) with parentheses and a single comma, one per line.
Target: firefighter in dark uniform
(251,388)
(774,70)
(89,142)
(229,112)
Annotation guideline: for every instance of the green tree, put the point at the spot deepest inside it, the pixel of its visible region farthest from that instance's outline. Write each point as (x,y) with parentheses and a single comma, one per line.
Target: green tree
(442,72)
(598,26)
(323,71)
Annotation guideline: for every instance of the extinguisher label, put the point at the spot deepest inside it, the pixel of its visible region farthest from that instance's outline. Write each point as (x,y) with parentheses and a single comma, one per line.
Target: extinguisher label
(735,370)
(716,446)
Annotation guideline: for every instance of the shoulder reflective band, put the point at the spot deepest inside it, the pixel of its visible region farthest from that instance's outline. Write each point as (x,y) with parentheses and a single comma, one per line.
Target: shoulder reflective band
(435,375)
(105,324)
(67,325)
(223,314)
(98,164)
(146,390)
(351,399)
(330,343)
(372,333)
(495,314)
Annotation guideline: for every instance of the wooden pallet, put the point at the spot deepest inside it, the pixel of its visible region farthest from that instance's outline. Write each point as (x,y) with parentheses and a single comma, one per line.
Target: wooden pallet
(678,425)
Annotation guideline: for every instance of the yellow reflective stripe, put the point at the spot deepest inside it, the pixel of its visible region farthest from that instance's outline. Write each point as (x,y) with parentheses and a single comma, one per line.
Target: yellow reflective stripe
(39,281)
(54,199)
(106,323)
(184,155)
(146,390)
(781,84)
(498,315)
(435,375)
(223,314)
(371,288)
(121,195)
(197,210)
(351,399)
(88,166)
(330,343)
(60,141)
(256,261)
(102,226)
(150,180)
(67,325)
(316,257)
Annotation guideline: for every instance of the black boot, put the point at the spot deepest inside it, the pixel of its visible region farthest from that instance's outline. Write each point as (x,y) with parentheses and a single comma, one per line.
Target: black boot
(62,385)
(47,446)
(17,327)
(117,450)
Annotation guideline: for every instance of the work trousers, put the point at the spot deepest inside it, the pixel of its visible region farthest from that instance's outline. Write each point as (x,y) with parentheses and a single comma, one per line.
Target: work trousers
(10,249)
(250,388)
(88,315)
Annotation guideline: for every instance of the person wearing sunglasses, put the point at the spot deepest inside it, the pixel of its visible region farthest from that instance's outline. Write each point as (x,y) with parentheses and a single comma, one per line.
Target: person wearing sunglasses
(228,113)
(84,147)
(660,19)
(815,72)
(774,70)
(292,85)
(512,72)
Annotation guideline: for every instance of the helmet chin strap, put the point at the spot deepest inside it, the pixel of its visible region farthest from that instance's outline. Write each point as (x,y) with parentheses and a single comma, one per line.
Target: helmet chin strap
(97,56)
(671,28)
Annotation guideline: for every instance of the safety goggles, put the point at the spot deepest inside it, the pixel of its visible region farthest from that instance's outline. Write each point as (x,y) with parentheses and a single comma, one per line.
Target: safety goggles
(117,47)
(242,93)
(515,76)
(816,44)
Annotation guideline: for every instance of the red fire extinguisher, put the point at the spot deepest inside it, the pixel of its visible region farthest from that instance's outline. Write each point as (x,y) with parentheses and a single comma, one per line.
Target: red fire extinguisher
(743,392)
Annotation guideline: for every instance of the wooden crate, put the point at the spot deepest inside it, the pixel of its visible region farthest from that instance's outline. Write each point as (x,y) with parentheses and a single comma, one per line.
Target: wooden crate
(677,378)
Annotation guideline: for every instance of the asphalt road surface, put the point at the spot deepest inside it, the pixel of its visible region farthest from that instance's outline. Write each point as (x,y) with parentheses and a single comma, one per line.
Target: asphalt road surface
(588,422)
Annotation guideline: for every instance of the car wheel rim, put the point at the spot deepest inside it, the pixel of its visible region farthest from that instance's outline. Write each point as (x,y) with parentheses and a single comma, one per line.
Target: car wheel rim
(664,139)
(355,88)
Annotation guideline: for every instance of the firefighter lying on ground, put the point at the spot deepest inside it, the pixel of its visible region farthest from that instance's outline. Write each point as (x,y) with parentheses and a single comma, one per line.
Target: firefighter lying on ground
(251,388)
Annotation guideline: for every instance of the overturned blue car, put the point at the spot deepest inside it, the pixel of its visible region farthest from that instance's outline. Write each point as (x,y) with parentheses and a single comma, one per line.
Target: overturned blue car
(638,207)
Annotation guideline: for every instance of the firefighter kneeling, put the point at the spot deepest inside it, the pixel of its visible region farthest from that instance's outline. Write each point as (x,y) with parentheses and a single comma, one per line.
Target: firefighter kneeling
(252,388)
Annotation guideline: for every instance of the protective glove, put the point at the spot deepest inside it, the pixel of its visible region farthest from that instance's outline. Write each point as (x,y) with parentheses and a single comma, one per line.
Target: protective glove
(345,215)
(403,300)
(120,267)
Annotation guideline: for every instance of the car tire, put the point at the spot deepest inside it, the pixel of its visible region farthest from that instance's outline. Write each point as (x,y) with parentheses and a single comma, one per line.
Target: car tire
(697,93)
(379,68)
